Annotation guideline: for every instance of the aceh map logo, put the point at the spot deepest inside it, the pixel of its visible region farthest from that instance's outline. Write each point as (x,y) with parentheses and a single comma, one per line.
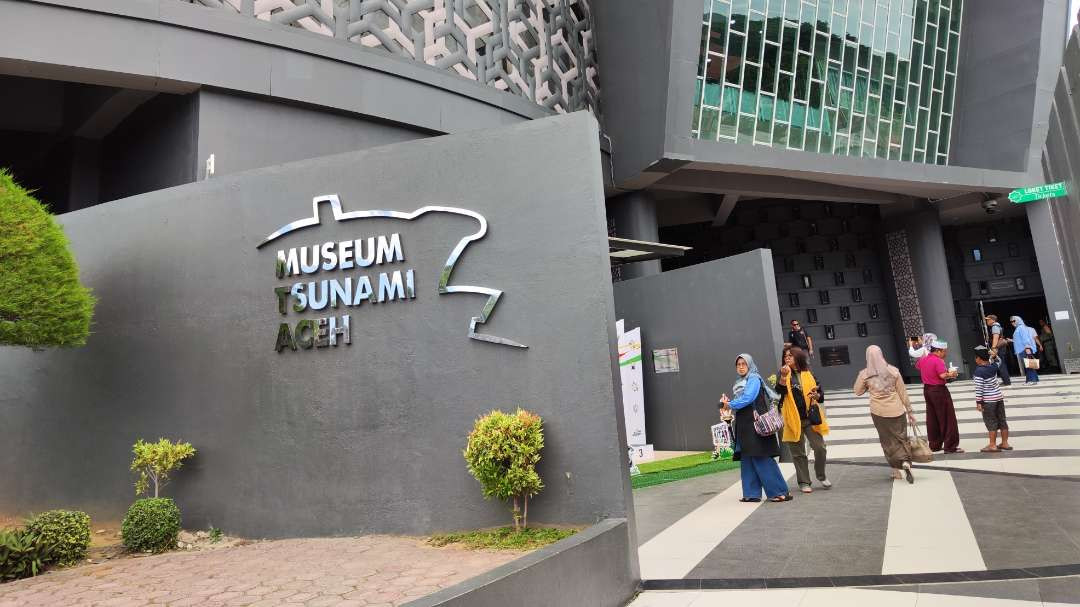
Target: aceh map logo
(356,289)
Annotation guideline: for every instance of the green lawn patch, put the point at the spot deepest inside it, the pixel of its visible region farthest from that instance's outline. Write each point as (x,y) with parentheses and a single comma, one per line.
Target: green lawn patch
(503,538)
(679,468)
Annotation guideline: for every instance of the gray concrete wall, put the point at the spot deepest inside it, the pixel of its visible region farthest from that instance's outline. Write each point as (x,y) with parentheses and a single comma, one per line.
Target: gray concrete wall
(590,568)
(1002,58)
(1055,223)
(633,46)
(247,132)
(348,439)
(711,312)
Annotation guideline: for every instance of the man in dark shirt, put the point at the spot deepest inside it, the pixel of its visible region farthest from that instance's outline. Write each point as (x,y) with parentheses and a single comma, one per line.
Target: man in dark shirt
(797,337)
(998,345)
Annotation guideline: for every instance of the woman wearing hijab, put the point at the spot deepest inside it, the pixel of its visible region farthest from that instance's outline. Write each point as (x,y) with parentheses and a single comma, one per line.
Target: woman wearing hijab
(755,453)
(1026,345)
(889,408)
(799,389)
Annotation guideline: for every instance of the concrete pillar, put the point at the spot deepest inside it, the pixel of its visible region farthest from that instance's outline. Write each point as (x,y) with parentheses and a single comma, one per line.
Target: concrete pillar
(634,215)
(932,279)
(925,251)
(1056,249)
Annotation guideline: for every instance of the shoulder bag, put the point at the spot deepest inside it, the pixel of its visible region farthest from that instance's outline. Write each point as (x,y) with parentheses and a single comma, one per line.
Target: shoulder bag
(920,449)
(767,420)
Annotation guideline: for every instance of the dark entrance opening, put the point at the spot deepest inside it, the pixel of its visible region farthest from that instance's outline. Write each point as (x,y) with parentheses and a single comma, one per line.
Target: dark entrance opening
(1032,310)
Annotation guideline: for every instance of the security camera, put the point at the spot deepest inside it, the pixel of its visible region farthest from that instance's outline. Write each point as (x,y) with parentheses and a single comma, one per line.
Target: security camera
(990,206)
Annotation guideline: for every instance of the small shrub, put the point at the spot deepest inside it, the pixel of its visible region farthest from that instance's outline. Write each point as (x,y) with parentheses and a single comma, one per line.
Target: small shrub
(215,534)
(22,555)
(154,462)
(502,454)
(68,531)
(151,525)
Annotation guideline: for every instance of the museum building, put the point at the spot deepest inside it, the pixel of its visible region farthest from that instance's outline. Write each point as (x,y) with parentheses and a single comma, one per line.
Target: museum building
(846,163)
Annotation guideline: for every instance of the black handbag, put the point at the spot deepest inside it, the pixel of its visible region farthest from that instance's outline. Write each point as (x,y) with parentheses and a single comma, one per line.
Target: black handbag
(813,411)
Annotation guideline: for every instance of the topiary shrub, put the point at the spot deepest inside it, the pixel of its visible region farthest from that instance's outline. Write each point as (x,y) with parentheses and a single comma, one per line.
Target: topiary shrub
(21,555)
(42,302)
(502,454)
(151,525)
(68,531)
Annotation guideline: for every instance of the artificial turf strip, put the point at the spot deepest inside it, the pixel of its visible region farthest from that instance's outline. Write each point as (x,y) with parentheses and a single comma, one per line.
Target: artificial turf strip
(649,479)
(674,463)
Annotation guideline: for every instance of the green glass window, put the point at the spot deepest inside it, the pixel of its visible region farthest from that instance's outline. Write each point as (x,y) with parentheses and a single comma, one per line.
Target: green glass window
(872,78)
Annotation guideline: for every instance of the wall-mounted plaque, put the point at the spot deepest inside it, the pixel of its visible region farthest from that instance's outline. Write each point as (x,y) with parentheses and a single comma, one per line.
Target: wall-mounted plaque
(834,356)
(666,360)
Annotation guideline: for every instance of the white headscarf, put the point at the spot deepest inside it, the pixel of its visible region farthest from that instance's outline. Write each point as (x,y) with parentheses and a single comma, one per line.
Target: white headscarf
(880,375)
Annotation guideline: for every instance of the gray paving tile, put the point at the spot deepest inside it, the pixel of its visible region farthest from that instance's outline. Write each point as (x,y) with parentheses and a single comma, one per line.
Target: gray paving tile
(1019,590)
(1060,590)
(657,508)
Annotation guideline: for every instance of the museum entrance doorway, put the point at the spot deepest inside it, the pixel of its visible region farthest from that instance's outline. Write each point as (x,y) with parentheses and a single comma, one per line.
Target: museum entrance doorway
(1031,309)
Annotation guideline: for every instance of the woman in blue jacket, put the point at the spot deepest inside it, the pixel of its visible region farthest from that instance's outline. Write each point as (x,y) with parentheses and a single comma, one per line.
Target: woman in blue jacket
(755,453)
(1026,345)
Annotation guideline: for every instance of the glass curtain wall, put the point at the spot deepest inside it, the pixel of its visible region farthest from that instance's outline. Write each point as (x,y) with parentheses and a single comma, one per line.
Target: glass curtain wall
(871,78)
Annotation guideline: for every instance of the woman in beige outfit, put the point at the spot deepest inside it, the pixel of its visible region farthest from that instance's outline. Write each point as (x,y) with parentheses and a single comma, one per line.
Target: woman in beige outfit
(889,408)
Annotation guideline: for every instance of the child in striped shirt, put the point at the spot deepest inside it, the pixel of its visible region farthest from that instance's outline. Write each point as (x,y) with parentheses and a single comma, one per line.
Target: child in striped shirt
(990,401)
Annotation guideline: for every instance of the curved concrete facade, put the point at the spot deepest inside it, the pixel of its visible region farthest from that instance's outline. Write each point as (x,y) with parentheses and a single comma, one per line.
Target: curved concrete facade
(174,46)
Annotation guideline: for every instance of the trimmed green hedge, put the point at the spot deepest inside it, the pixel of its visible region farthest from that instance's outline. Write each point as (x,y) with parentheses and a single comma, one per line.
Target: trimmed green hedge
(151,525)
(68,531)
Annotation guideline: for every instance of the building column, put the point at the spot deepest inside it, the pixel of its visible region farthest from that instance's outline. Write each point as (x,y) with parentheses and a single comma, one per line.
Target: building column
(1053,242)
(634,216)
(923,296)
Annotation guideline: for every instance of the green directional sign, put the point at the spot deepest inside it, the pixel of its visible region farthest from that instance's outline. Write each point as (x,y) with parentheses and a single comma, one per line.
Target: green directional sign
(1050,190)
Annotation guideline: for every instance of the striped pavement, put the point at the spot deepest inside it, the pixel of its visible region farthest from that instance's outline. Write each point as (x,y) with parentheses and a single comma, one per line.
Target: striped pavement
(965,512)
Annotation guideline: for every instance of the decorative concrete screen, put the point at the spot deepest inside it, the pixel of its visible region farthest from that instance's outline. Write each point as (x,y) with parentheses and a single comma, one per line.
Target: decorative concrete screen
(539,49)
(872,78)
(325,333)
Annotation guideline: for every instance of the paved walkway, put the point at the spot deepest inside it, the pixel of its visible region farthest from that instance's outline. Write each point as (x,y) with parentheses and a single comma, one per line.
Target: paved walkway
(365,571)
(965,512)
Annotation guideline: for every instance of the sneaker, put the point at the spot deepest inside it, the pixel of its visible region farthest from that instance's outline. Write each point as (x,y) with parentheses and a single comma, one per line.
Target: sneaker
(826,484)
(805,489)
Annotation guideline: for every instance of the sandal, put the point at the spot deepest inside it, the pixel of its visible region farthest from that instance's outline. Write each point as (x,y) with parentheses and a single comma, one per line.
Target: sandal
(750,499)
(990,450)
(1004,448)
(781,498)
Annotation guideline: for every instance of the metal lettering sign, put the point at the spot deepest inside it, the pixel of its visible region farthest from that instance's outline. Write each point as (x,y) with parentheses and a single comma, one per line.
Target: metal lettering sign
(357,289)
(1039,192)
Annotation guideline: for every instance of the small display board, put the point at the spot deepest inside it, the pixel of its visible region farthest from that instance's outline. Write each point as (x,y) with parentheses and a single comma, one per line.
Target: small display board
(834,356)
(666,360)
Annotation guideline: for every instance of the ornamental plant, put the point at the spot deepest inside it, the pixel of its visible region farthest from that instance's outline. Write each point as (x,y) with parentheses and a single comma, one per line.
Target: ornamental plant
(155,461)
(42,302)
(502,453)
(151,524)
(67,531)
(21,554)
